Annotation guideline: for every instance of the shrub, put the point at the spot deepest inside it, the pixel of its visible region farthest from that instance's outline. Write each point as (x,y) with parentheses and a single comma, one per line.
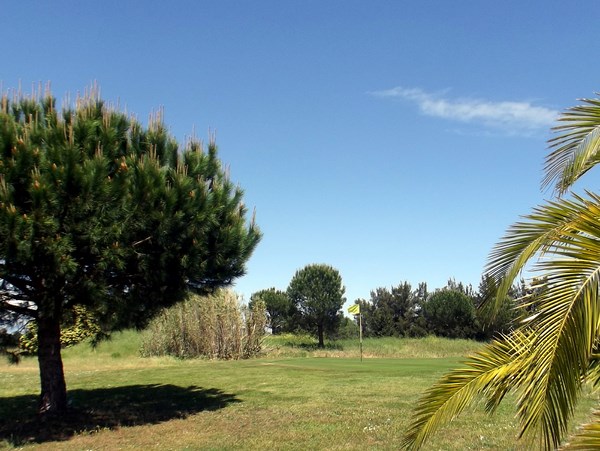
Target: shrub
(78,324)
(212,326)
(450,313)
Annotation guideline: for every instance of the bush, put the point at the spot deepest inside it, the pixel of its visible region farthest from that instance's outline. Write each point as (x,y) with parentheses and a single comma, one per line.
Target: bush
(8,345)
(213,326)
(77,325)
(450,313)
(8,340)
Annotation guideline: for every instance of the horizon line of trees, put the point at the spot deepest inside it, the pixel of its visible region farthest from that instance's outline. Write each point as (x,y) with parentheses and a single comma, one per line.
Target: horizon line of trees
(456,310)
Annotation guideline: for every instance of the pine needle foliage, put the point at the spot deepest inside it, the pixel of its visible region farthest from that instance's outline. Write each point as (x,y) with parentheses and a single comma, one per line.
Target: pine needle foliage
(99,210)
(553,352)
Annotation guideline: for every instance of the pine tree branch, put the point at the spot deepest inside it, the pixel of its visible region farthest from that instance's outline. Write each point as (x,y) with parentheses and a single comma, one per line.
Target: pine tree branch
(18,283)
(18,309)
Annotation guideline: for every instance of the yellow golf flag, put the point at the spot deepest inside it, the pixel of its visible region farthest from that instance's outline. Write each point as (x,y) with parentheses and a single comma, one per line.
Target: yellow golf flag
(354,309)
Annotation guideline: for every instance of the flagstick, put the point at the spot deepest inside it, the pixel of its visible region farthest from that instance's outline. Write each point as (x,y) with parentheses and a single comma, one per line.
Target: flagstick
(360,333)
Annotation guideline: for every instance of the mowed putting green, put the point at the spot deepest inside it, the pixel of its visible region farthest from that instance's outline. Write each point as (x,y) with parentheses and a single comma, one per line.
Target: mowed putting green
(121,401)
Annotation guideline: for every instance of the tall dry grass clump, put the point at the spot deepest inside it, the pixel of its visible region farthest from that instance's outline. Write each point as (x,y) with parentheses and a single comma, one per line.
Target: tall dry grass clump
(215,326)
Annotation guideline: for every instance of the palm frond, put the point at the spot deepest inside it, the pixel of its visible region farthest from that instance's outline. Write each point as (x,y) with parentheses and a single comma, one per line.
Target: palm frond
(587,437)
(576,149)
(565,330)
(489,374)
(593,375)
(538,234)
(566,237)
(549,355)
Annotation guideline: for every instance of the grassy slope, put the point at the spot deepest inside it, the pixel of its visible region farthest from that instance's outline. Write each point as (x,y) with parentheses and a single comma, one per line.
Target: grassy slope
(274,402)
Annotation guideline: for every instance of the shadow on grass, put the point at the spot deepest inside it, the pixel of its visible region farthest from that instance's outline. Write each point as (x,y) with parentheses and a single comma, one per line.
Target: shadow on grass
(105,408)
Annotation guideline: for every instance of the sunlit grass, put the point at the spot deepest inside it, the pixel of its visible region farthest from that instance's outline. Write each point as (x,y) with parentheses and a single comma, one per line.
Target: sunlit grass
(289,403)
(428,347)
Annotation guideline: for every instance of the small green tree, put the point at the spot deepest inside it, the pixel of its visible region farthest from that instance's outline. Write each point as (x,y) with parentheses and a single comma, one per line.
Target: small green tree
(395,312)
(8,345)
(318,294)
(450,313)
(280,308)
(493,322)
(98,210)
(392,311)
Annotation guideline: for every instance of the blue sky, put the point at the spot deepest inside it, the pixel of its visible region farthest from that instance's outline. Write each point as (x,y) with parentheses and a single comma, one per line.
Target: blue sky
(393,140)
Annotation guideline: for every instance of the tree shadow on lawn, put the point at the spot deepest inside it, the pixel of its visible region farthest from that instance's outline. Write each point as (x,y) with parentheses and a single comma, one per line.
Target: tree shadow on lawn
(102,408)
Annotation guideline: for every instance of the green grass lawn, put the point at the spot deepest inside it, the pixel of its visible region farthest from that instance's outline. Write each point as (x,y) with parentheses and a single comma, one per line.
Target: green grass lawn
(296,402)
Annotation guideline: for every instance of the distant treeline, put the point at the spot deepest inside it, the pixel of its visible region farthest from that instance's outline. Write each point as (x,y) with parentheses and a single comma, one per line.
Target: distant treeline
(454,311)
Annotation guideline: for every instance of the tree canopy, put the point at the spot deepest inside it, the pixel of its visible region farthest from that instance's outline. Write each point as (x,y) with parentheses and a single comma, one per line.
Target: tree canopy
(390,312)
(450,313)
(99,210)
(280,309)
(318,294)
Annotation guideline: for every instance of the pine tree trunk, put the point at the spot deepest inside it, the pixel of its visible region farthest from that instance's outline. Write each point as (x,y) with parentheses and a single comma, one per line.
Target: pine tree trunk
(320,333)
(53,399)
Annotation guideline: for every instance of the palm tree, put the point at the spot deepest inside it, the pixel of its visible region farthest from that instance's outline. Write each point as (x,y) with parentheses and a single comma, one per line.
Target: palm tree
(554,349)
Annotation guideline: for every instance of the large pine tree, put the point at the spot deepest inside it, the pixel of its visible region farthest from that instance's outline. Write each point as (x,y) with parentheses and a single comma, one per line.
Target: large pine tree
(99,210)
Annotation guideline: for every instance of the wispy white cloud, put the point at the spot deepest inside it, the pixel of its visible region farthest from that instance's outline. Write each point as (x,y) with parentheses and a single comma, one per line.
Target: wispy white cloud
(509,116)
